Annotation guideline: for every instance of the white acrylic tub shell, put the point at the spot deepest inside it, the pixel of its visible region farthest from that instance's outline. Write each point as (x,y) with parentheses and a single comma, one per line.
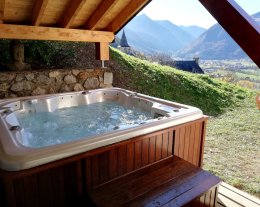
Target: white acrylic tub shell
(15,156)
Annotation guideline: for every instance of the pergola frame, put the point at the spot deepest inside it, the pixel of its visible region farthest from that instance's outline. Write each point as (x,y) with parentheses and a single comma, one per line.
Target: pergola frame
(98,21)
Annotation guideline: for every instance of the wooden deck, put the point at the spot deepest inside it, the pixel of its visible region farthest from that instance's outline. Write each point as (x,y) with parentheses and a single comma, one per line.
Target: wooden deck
(232,197)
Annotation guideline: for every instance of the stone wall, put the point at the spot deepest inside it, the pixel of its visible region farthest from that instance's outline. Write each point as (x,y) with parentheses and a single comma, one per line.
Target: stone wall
(47,81)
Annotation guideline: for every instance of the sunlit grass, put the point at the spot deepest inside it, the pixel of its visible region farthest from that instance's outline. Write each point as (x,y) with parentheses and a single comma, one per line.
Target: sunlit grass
(232,148)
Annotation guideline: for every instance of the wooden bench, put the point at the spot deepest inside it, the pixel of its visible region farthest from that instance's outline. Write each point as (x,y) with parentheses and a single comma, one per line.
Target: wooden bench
(171,182)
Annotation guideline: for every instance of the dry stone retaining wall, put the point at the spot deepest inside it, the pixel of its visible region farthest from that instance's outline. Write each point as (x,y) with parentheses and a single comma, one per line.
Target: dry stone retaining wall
(27,83)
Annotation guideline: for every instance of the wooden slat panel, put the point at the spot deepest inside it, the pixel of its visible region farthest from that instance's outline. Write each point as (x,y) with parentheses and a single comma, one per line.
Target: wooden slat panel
(58,186)
(165,143)
(71,183)
(214,196)
(99,13)
(95,170)
(31,193)
(202,143)
(187,145)
(113,163)
(195,159)
(88,172)
(207,198)
(170,142)
(202,199)
(79,177)
(192,140)
(125,15)
(2,11)
(122,160)
(19,192)
(158,149)
(152,150)
(130,156)
(138,154)
(72,11)
(38,11)
(145,152)
(182,142)
(245,28)
(49,33)
(45,189)
(8,194)
(103,167)
(177,142)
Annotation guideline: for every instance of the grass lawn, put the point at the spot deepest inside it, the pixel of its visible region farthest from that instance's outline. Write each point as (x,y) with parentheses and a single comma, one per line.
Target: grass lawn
(232,149)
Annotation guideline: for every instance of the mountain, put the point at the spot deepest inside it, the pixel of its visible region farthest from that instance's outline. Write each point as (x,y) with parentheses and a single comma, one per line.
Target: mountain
(215,43)
(193,30)
(149,35)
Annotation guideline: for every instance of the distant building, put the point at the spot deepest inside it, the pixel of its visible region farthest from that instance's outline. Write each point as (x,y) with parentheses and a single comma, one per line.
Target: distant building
(124,46)
(186,65)
(123,41)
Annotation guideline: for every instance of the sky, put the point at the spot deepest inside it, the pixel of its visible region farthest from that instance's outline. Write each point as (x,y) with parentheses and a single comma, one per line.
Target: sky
(190,12)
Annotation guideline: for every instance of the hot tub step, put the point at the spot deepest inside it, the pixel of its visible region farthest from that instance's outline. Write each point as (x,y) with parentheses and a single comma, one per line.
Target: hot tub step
(175,183)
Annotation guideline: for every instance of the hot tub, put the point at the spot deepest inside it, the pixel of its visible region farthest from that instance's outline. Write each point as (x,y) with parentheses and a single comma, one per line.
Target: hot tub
(18,141)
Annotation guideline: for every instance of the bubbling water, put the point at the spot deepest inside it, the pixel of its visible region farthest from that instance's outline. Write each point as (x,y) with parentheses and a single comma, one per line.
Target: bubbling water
(74,123)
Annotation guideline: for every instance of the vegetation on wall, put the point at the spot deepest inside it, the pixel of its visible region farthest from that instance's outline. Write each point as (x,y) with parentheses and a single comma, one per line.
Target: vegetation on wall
(44,54)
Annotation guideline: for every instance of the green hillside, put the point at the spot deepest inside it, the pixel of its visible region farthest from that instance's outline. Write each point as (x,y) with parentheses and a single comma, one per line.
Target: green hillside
(210,95)
(233,131)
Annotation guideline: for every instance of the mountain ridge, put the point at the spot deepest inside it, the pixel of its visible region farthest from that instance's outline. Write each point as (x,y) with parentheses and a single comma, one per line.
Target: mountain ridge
(147,35)
(215,43)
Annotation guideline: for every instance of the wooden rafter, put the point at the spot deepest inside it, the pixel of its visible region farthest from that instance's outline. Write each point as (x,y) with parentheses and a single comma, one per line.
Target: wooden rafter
(99,13)
(126,14)
(240,26)
(38,11)
(72,12)
(51,33)
(2,9)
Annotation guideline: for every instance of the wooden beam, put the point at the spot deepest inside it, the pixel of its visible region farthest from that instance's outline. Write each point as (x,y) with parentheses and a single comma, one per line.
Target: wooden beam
(99,13)
(240,26)
(39,8)
(102,50)
(2,9)
(72,12)
(126,14)
(51,33)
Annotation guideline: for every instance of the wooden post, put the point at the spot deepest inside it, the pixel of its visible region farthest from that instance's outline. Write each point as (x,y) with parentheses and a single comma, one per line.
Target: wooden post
(2,9)
(102,50)
(258,101)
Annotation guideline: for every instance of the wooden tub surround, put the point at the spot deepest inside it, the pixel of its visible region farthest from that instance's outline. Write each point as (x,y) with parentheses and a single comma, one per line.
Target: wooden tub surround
(158,169)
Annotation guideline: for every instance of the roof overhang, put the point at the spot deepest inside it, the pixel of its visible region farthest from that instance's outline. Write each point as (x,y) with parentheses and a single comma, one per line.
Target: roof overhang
(98,21)
(67,20)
